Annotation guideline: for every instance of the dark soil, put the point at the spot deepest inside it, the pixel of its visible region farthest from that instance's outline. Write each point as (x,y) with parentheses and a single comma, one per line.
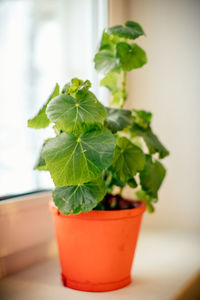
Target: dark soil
(116,202)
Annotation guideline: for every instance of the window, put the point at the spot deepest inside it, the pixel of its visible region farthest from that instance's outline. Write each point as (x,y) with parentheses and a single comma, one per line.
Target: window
(41,43)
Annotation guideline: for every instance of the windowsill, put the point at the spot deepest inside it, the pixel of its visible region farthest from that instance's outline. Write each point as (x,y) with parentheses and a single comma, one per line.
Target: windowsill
(163,263)
(26,232)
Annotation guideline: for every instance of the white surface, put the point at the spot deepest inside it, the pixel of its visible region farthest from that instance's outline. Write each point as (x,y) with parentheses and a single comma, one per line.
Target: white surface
(168,86)
(163,262)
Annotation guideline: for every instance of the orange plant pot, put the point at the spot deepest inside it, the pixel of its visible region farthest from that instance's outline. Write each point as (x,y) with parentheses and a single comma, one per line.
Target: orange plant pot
(97,248)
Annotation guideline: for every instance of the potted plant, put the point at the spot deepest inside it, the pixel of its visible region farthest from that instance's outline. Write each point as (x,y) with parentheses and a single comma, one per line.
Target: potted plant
(96,152)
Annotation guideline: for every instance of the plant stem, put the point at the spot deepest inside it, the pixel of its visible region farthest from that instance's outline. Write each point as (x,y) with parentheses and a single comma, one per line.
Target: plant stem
(124,92)
(120,191)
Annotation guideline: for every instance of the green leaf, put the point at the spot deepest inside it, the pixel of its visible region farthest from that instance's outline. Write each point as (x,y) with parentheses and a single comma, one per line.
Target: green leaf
(105,61)
(131,56)
(128,159)
(41,120)
(73,160)
(132,182)
(108,42)
(79,198)
(135,26)
(117,119)
(111,180)
(40,164)
(130,30)
(76,115)
(153,143)
(117,98)
(143,196)
(151,177)
(117,182)
(142,118)
(75,85)
(110,81)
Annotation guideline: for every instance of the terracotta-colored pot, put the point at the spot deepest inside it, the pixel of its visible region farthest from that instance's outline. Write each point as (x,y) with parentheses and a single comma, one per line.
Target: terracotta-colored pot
(96,248)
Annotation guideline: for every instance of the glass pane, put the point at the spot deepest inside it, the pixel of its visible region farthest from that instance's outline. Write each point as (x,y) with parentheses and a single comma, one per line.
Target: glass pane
(41,43)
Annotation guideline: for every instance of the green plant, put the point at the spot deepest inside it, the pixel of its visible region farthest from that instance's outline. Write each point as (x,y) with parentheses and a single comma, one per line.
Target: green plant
(97,148)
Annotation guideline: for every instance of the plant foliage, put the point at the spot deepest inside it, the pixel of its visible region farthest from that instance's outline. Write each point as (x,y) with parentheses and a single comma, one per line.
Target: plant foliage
(97,148)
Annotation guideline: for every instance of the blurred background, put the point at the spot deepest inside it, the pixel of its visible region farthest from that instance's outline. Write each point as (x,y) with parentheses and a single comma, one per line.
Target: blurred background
(41,43)
(44,42)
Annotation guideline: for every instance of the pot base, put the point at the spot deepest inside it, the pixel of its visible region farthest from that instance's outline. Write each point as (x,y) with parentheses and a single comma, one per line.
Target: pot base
(95,287)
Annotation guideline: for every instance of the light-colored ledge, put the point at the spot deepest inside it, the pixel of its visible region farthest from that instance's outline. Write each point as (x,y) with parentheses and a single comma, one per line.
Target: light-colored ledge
(164,262)
(26,232)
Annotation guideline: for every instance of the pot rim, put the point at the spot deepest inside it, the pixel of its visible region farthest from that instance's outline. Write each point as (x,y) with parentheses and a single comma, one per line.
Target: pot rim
(102,214)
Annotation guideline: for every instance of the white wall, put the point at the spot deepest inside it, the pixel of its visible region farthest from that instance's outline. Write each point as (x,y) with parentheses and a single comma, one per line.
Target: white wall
(169,86)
